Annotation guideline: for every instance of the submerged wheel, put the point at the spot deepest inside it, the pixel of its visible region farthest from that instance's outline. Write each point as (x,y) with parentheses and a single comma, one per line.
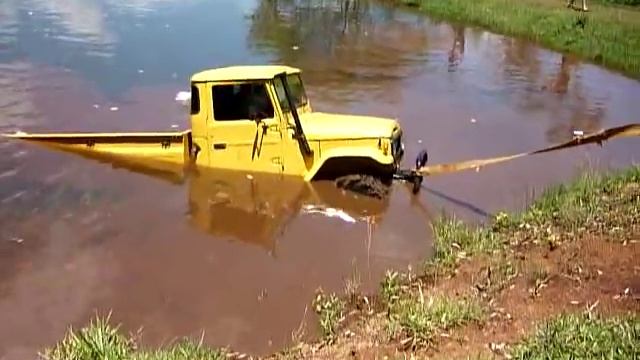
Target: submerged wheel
(367,185)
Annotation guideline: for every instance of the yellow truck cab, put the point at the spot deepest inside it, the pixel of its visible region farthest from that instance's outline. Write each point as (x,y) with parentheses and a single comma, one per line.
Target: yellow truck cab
(252,119)
(243,120)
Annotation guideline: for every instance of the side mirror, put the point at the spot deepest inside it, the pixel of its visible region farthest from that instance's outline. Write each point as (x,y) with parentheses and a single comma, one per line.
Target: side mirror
(258,116)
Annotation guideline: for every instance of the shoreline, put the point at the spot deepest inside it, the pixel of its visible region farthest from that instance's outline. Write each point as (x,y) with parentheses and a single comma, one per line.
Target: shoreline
(559,278)
(607,35)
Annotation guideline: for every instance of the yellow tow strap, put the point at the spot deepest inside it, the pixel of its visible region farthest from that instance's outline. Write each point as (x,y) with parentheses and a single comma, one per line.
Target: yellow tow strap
(597,137)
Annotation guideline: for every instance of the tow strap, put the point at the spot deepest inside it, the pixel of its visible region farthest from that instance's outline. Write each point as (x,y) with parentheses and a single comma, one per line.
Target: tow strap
(597,138)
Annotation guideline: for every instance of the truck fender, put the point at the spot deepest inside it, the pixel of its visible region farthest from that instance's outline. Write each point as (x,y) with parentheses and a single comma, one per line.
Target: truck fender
(349,153)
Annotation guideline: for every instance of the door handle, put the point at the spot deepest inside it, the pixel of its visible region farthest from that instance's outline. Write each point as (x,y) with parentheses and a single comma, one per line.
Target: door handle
(219,146)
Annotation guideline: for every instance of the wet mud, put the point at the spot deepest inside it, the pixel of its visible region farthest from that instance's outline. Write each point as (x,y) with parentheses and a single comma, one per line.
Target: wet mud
(239,258)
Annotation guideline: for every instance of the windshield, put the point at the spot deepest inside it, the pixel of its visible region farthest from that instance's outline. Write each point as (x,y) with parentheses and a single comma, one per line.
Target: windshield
(296,89)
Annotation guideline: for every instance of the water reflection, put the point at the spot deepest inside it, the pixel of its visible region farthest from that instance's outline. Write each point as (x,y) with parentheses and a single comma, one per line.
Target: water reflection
(456,54)
(352,48)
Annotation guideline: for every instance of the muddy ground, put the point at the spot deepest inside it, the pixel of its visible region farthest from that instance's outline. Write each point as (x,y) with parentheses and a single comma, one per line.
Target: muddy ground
(591,274)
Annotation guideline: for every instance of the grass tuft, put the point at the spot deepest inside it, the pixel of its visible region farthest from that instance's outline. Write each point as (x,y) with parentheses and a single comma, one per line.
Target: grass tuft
(417,321)
(184,350)
(583,337)
(100,340)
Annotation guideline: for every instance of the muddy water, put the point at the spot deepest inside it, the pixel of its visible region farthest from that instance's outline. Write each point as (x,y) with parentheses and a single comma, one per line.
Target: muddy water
(235,261)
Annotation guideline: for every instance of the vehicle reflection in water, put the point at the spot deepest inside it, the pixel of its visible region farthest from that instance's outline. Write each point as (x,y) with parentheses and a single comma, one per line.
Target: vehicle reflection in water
(257,208)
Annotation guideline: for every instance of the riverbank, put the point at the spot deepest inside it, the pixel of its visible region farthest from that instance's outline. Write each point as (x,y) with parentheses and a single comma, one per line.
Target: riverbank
(559,279)
(606,35)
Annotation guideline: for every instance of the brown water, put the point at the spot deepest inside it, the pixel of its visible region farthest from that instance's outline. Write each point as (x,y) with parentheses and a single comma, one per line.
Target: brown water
(235,260)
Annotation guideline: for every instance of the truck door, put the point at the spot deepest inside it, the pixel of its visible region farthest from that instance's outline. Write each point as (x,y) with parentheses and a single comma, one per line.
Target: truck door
(244,133)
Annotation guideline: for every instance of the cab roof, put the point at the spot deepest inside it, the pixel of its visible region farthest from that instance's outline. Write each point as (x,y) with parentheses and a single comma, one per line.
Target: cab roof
(249,72)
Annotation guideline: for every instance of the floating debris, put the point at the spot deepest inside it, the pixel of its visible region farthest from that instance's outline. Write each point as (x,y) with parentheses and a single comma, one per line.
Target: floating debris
(114,108)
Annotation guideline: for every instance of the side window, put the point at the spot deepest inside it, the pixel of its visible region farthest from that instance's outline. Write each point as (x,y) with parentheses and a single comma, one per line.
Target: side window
(244,101)
(195,100)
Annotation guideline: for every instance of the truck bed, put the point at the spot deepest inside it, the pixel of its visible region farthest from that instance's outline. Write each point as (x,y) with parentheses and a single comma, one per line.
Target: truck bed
(157,152)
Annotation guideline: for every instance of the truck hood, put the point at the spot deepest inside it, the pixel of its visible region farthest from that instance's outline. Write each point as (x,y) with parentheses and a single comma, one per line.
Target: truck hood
(324,126)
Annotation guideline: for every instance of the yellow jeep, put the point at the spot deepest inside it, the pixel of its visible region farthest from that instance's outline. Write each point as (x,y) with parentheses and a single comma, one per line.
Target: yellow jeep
(253,119)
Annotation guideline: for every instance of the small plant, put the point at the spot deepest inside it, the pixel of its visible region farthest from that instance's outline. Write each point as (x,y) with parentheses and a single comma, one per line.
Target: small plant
(503,222)
(391,287)
(582,337)
(330,310)
(538,279)
(352,286)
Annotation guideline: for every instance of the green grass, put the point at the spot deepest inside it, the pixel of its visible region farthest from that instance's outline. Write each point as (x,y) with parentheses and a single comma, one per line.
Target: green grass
(417,321)
(607,204)
(607,35)
(583,337)
(102,341)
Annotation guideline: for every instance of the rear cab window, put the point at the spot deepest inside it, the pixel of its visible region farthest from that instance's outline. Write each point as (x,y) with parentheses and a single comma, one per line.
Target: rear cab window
(195,100)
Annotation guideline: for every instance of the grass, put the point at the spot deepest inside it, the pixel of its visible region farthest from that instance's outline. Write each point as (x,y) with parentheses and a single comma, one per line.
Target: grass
(102,341)
(606,35)
(582,336)
(596,204)
(455,241)
(417,321)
